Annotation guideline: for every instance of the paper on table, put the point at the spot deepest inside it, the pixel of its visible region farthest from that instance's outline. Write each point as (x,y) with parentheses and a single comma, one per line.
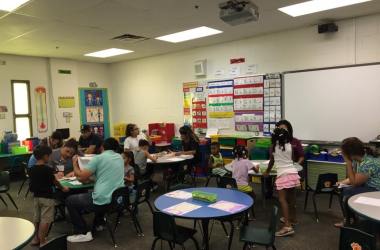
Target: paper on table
(174,159)
(75,183)
(69,178)
(227,206)
(181,208)
(179,194)
(368,201)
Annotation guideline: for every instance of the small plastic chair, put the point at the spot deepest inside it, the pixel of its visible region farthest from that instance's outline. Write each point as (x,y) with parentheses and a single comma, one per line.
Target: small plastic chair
(165,228)
(58,243)
(4,188)
(25,173)
(226,182)
(351,237)
(325,185)
(264,236)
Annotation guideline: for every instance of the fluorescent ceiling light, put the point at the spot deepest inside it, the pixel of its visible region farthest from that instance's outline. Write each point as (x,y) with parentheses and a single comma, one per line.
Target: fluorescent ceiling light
(109,52)
(317,6)
(189,34)
(11,5)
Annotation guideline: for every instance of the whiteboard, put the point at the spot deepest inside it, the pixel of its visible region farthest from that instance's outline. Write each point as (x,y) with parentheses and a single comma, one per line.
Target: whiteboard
(332,104)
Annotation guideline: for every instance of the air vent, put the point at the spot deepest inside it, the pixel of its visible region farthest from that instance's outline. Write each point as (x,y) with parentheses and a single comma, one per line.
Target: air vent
(129,38)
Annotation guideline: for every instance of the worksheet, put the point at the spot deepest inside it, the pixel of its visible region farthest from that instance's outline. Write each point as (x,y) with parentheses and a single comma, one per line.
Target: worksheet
(181,208)
(227,206)
(179,194)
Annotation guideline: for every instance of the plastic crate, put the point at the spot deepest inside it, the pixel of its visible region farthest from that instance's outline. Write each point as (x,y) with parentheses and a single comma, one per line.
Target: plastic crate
(225,141)
(19,150)
(227,152)
(263,143)
(337,158)
(259,154)
(317,157)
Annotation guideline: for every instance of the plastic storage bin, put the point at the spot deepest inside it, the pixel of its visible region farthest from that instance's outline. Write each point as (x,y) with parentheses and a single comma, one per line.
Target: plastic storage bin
(337,158)
(317,157)
(19,150)
(225,141)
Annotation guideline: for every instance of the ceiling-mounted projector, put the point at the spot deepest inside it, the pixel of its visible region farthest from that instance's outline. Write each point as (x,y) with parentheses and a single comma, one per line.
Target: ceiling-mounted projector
(235,12)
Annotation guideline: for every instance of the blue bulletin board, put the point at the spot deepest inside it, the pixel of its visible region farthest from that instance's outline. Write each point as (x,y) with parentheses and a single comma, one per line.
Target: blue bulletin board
(94,110)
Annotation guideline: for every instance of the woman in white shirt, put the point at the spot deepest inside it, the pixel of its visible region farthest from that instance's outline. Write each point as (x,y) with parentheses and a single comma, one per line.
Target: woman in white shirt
(133,137)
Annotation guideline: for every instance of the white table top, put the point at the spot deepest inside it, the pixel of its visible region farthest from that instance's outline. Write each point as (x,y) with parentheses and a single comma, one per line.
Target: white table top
(15,232)
(366,204)
(171,159)
(163,144)
(257,162)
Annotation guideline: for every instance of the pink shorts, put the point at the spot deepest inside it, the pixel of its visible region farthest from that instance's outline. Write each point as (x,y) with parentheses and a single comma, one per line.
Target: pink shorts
(288,181)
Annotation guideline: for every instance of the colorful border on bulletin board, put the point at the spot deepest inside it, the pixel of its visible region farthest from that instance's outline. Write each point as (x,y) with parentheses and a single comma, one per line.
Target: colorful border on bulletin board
(94,109)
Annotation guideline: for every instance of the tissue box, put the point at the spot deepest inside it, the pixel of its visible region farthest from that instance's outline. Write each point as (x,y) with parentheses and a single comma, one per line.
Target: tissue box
(204,196)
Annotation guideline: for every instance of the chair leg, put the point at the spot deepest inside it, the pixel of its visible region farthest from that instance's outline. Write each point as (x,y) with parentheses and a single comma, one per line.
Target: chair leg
(306,198)
(154,243)
(195,242)
(140,231)
(245,246)
(110,231)
(330,202)
(273,247)
(27,192)
(10,197)
(170,245)
(231,235)
(150,206)
(117,222)
(2,199)
(224,228)
(22,185)
(315,207)
(207,181)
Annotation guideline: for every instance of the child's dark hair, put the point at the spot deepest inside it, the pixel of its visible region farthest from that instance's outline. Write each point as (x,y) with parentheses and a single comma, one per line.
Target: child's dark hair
(143,143)
(111,144)
(353,146)
(187,131)
(130,156)
(280,136)
(289,127)
(71,143)
(240,152)
(129,129)
(215,144)
(40,151)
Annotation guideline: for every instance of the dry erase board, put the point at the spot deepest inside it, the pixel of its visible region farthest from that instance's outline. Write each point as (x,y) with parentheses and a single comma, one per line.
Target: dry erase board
(332,104)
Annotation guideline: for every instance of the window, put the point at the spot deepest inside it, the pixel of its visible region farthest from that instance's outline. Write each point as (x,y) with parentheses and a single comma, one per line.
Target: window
(22,115)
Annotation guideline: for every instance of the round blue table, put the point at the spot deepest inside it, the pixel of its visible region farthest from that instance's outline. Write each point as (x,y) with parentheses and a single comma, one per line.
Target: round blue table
(205,213)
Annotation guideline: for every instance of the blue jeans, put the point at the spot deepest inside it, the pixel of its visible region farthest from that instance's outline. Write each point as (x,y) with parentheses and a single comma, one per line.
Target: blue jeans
(346,193)
(79,204)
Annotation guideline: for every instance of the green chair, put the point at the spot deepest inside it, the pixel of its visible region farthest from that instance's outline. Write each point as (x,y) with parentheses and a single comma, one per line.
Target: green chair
(58,243)
(349,237)
(251,235)
(165,228)
(4,188)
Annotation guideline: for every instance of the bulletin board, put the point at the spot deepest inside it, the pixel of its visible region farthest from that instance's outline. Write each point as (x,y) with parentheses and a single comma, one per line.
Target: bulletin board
(244,104)
(94,110)
(195,105)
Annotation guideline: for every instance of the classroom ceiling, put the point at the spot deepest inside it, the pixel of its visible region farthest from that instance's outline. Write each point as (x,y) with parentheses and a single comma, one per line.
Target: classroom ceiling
(71,28)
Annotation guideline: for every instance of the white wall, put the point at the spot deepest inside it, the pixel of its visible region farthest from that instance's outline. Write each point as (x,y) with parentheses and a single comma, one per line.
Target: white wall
(44,72)
(150,89)
(32,69)
(82,74)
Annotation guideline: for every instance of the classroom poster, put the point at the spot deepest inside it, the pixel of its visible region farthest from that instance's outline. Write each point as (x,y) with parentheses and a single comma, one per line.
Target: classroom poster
(249,103)
(94,110)
(194,105)
(66,102)
(41,109)
(272,102)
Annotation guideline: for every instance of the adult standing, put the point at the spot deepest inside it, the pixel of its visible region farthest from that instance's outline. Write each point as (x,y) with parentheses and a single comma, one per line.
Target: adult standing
(89,141)
(363,171)
(108,169)
(133,136)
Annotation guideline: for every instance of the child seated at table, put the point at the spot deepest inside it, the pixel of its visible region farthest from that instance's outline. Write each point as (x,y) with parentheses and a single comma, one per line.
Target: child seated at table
(129,173)
(141,157)
(215,162)
(240,168)
(42,185)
